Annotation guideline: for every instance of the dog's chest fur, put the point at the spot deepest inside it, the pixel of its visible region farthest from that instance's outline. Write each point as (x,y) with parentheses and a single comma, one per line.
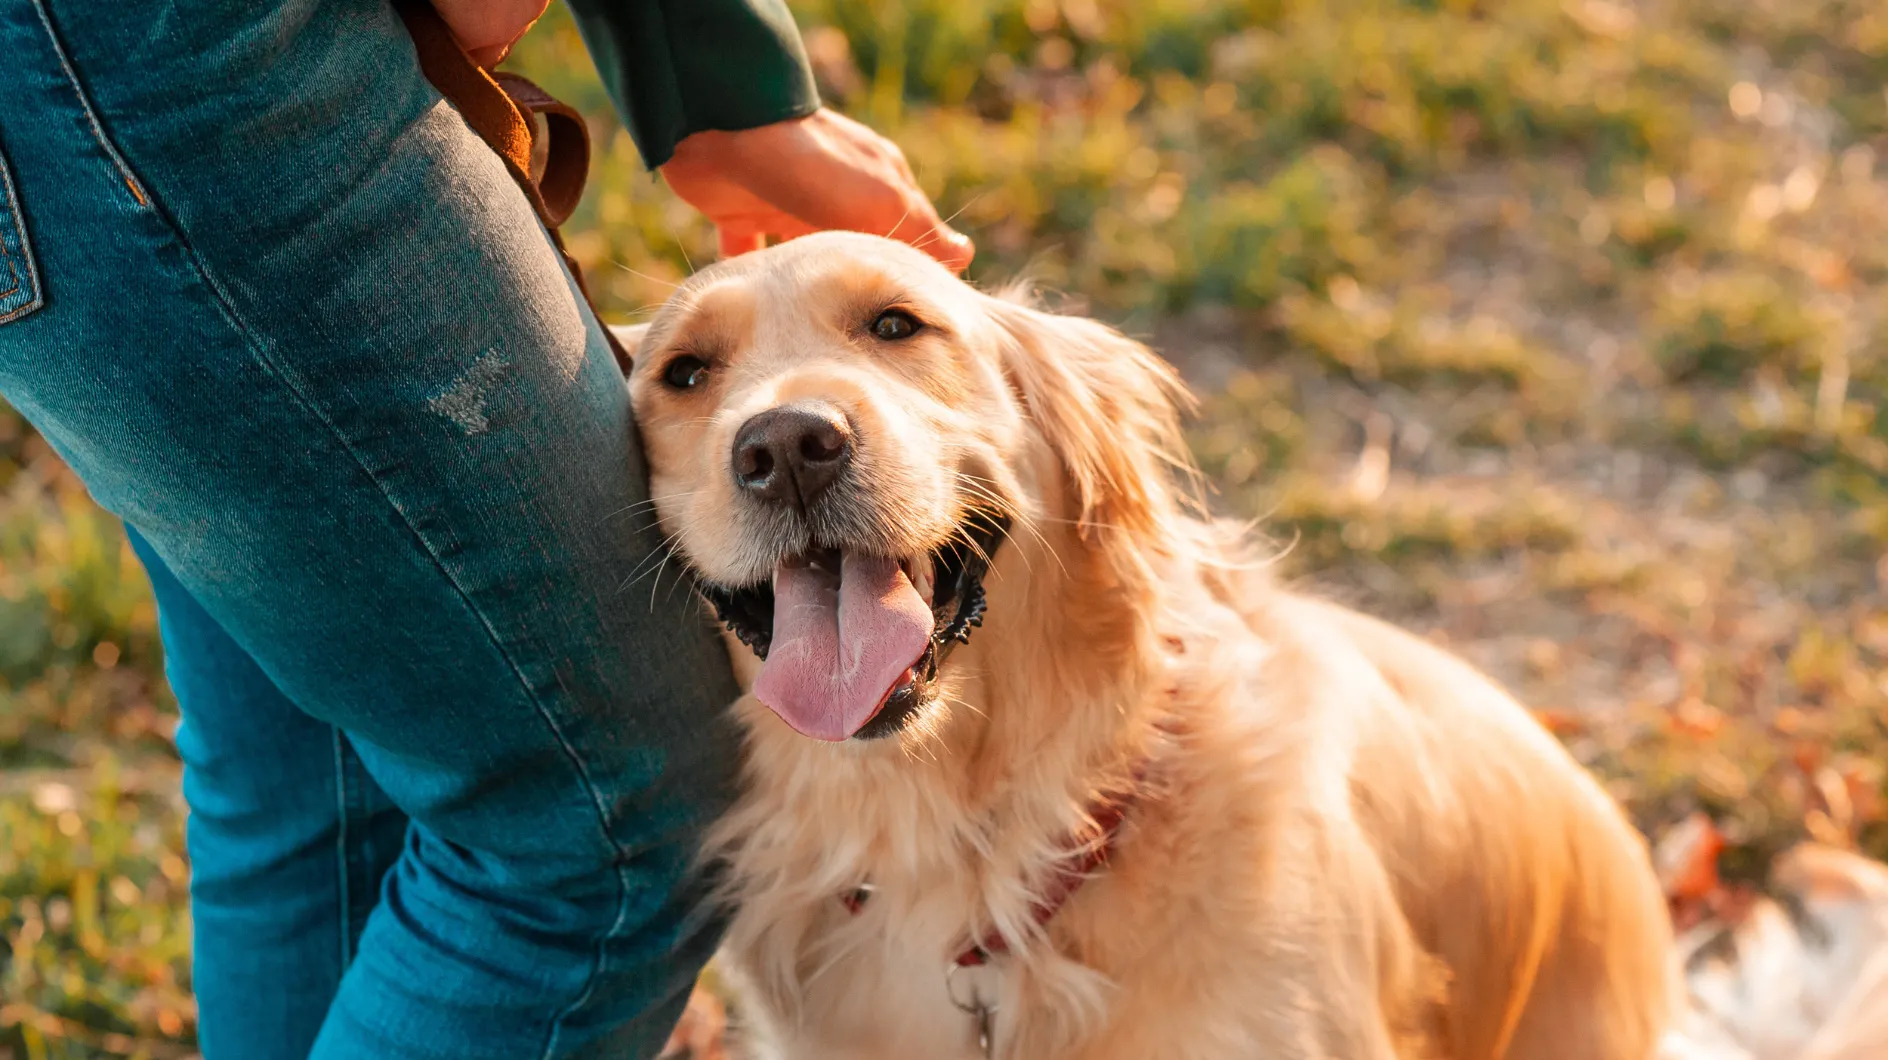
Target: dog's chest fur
(824,980)
(946,858)
(865,986)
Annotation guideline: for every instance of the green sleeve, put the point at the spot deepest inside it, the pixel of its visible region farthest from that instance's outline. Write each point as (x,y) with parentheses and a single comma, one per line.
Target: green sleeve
(675,67)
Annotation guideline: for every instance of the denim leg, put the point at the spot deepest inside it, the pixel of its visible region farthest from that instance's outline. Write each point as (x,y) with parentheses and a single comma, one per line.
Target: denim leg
(289,838)
(300,330)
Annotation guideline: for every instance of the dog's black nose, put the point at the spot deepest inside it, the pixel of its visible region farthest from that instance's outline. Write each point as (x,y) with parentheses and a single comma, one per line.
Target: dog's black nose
(792,454)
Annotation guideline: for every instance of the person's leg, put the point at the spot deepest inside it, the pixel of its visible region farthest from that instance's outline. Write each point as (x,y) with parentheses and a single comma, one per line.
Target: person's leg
(289,838)
(302,332)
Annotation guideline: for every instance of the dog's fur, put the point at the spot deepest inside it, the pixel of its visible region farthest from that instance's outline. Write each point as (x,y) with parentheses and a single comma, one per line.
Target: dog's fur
(1350,844)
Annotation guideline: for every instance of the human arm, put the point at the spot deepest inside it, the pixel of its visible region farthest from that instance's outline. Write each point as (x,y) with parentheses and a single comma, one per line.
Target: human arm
(719,97)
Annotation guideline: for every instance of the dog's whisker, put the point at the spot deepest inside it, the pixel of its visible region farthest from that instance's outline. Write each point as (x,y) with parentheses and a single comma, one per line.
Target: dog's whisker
(921,740)
(653,563)
(640,508)
(1085,524)
(656,583)
(656,555)
(646,307)
(995,502)
(961,535)
(671,284)
(933,236)
(980,487)
(649,505)
(959,701)
(962,532)
(974,200)
(898,223)
(681,579)
(1018,517)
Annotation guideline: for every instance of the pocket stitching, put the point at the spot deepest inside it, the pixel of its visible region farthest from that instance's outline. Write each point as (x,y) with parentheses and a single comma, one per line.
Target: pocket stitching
(18,219)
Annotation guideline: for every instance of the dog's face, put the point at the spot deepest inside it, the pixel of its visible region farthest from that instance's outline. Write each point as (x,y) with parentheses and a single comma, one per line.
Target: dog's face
(839,435)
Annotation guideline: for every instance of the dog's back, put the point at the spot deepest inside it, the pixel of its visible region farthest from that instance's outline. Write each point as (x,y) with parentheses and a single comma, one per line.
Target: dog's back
(1509,863)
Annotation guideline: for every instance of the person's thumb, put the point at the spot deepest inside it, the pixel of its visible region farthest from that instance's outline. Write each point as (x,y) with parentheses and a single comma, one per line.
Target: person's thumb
(487,29)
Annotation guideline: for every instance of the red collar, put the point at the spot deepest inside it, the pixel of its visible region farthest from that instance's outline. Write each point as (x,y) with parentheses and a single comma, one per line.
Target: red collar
(1107,816)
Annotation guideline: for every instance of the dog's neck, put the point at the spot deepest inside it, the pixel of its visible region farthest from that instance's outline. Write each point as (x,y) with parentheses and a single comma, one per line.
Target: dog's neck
(1062,683)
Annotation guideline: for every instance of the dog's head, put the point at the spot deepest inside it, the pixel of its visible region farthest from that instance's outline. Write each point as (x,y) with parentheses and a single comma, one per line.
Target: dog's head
(842,436)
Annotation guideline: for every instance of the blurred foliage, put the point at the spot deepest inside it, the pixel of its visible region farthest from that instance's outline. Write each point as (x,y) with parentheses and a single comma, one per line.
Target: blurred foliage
(92,874)
(1556,329)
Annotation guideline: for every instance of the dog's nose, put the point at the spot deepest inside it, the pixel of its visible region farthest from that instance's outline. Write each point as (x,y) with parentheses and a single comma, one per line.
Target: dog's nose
(792,454)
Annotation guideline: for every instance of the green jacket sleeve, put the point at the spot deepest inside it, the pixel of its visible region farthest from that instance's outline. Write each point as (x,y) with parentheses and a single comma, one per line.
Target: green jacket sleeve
(675,67)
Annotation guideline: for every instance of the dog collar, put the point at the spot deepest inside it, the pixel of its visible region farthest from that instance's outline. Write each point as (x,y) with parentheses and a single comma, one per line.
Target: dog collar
(1091,853)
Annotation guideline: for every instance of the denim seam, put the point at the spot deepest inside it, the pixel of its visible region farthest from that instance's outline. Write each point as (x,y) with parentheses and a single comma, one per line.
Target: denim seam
(258,348)
(340,849)
(12,218)
(599,968)
(105,143)
(18,220)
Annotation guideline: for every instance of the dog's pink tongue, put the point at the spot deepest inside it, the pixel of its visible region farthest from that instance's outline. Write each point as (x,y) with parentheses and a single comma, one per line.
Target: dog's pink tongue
(841,643)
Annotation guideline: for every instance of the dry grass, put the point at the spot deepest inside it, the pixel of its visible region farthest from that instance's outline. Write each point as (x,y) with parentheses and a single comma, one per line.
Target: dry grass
(1557,330)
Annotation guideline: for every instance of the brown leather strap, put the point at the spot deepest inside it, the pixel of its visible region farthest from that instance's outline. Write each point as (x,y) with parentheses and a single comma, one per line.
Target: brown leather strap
(567,155)
(503,110)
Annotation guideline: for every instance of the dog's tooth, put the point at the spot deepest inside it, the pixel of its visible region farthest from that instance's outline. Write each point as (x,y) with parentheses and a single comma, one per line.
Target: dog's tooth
(918,569)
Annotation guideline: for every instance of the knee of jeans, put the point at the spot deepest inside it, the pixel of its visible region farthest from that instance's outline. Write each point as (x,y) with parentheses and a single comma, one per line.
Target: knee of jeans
(247,791)
(259,855)
(577,895)
(267,826)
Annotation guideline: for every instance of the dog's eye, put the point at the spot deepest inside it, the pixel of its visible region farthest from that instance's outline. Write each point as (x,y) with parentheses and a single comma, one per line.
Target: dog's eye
(895,324)
(685,372)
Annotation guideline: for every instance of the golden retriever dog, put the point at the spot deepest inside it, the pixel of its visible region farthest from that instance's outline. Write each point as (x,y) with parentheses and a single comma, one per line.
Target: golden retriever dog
(1041,764)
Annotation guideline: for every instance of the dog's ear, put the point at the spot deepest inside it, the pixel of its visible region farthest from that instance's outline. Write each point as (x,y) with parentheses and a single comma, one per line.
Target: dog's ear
(1107,405)
(630,335)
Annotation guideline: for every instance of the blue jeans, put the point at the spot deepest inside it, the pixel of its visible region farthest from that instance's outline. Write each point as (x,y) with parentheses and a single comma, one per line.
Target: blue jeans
(446,747)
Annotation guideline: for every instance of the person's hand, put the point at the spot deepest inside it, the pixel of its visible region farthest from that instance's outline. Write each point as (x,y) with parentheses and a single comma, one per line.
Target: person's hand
(805,175)
(487,29)
(783,180)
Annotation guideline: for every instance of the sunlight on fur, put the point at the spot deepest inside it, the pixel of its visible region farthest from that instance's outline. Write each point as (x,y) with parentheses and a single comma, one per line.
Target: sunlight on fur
(1343,842)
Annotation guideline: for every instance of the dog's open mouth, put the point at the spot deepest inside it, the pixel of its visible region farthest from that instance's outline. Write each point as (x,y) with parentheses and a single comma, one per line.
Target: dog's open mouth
(851,643)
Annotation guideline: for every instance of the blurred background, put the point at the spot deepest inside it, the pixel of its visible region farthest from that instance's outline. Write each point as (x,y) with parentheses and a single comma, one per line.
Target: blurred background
(1554,329)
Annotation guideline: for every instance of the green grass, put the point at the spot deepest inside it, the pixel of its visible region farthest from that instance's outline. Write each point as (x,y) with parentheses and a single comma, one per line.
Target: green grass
(1556,329)
(92,876)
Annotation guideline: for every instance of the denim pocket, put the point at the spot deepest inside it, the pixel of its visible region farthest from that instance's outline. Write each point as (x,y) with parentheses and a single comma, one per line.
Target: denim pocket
(20,293)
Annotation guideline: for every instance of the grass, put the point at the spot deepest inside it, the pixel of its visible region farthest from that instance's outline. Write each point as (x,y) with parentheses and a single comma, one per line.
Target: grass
(1555,329)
